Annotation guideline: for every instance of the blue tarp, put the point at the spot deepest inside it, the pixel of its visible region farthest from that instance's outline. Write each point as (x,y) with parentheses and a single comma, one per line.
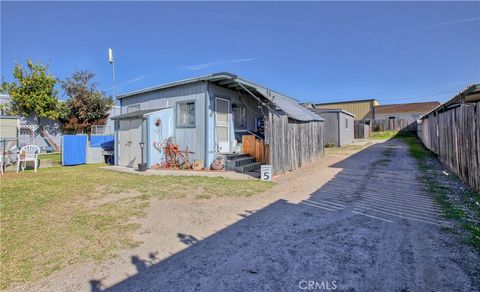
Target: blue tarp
(101,141)
(74,149)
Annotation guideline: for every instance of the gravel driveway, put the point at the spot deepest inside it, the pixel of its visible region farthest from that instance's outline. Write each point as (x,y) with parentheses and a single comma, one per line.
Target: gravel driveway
(370,227)
(354,221)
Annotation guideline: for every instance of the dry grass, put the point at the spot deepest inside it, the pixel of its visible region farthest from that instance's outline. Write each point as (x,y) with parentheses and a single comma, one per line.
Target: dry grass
(65,215)
(346,150)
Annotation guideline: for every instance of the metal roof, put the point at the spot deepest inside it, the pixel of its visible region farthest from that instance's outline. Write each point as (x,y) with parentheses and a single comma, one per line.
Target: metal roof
(346,101)
(135,115)
(416,107)
(287,104)
(469,94)
(332,110)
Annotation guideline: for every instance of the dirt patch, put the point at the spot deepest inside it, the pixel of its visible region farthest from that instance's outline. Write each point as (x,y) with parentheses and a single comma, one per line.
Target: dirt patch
(364,224)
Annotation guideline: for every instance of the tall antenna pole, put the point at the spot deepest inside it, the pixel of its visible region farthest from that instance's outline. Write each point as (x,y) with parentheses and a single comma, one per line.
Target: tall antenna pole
(111,60)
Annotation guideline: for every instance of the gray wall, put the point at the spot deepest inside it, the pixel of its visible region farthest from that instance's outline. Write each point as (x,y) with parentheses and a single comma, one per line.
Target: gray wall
(250,103)
(330,127)
(193,138)
(406,116)
(336,131)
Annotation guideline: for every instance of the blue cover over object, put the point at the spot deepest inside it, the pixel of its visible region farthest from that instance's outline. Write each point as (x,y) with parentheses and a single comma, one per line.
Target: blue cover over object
(101,141)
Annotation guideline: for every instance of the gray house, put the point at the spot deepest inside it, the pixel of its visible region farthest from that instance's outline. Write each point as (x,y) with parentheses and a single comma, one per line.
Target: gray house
(217,115)
(339,129)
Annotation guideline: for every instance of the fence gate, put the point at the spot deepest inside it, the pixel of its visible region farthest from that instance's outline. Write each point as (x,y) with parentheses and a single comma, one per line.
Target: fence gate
(74,149)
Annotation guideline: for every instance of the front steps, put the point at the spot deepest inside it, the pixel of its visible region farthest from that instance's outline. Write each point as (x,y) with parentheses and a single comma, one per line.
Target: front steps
(242,163)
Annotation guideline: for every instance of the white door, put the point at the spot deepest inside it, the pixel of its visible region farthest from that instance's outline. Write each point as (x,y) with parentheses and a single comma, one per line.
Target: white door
(222,124)
(129,137)
(124,142)
(135,138)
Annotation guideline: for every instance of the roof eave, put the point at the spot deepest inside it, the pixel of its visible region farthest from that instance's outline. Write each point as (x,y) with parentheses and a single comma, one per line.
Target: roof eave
(456,100)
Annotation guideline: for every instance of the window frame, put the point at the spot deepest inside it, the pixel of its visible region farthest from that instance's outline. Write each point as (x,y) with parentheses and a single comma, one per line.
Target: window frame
(177,109)
(346,124)
(236,116)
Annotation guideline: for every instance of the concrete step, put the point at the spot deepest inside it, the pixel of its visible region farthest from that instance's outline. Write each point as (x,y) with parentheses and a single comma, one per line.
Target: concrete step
(231,164)
(234,156)
(255,174)
(248,167)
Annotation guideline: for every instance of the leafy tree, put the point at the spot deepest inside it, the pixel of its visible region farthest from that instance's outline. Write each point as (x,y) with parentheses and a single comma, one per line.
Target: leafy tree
(33,92)
(86,105)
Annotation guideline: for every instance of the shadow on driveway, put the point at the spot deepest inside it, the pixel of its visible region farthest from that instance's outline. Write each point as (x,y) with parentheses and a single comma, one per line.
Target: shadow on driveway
(371,227)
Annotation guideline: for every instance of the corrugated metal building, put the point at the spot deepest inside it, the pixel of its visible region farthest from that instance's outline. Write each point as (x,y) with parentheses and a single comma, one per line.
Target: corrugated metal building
(339,129)
(210,115)
(362,109)
(407,111)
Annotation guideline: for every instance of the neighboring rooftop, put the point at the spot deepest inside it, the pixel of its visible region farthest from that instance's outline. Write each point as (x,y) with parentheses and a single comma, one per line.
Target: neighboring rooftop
(417,107)
(348,101)
(326,110)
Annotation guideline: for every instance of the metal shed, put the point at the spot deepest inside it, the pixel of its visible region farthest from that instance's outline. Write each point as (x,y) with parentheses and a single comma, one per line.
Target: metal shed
(8,132)
(339,126)
(214,115)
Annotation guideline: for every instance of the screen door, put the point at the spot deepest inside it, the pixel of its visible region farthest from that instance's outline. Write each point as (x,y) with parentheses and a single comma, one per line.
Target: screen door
(222,124)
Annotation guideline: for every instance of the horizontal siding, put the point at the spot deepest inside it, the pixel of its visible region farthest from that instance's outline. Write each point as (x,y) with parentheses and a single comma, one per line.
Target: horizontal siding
(193,138)
(361,110)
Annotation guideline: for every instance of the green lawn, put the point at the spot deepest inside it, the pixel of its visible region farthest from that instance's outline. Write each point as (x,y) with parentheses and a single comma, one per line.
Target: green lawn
(56,157)
(65,215)
(383,135)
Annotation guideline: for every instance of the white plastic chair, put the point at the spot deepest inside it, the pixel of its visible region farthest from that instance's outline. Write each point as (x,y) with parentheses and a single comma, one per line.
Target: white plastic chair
(31,154)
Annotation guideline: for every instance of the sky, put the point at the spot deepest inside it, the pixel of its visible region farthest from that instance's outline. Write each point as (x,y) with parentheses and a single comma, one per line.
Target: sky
(314,51)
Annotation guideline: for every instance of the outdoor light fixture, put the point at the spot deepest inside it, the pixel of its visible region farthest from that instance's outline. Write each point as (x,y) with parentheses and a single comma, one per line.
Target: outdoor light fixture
(234,106)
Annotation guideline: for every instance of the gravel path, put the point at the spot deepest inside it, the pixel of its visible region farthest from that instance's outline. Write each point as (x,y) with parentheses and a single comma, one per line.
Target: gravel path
(370,228)
(357,221)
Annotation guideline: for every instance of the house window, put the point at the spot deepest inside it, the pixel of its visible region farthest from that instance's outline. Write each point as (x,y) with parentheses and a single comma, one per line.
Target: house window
(346,123)
(240,117)
(133,108)
(186,114)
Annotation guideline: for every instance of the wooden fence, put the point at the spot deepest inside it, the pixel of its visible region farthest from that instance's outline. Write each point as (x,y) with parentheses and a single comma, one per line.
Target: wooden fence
(408,125)
(361,130)
(292,143)
(454,136)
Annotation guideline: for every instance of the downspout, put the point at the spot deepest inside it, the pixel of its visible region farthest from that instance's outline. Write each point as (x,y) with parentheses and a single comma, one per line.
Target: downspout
(207,105)
(147,144)
(339,130)
(116,126)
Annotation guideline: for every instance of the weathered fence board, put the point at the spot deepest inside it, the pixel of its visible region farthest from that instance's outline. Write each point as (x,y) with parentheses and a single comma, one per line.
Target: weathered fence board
(454,136)
(408,125)
(361,130)
(293,144)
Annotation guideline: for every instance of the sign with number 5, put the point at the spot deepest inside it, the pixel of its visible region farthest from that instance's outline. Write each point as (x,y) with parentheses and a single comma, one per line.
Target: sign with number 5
(266,172)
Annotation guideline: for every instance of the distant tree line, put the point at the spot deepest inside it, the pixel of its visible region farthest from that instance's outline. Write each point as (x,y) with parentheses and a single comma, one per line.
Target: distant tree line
(33,94)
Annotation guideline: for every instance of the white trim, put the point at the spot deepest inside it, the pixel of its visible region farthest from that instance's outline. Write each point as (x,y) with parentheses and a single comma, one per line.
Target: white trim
(228,126)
